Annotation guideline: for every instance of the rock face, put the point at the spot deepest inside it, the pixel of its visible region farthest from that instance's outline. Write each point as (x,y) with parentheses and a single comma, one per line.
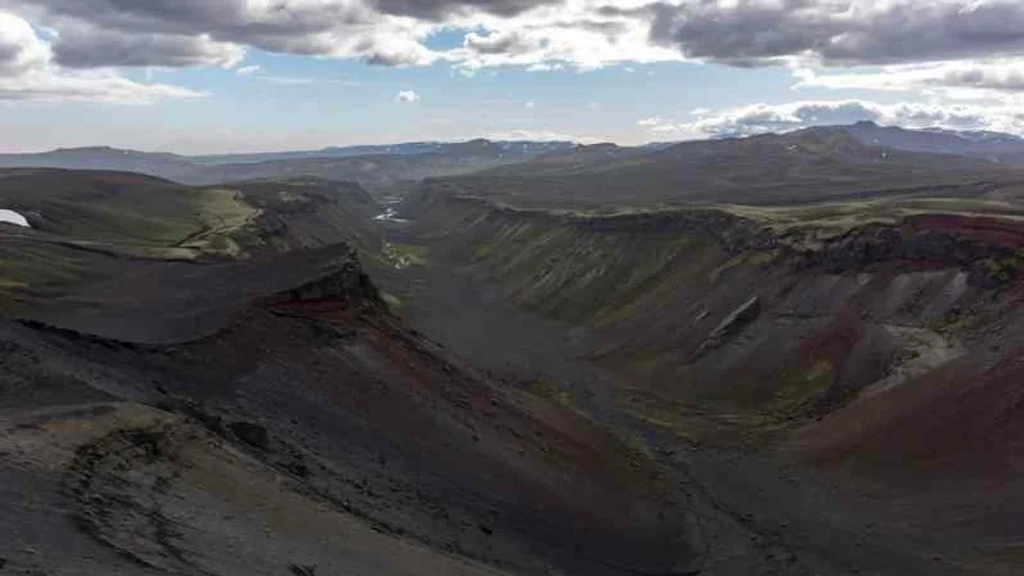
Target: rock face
(731,325)
(986,247)
(347,283)
(252,434)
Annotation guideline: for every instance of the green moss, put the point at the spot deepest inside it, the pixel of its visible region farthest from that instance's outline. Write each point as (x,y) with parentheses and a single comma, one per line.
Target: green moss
(403,255)
(798,389)
(1003,270)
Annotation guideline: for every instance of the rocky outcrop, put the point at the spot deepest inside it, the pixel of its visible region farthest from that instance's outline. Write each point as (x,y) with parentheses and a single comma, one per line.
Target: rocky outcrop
(986,247)
(731,325)
(348,282)
(252,434)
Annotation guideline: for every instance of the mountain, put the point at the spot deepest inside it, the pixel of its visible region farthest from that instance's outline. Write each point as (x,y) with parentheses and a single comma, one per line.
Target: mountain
(163,165)
(402,149)
(370,165)
(846,340)
(994,146)
(815,164)
(716,358)
(188,370)
(380,172)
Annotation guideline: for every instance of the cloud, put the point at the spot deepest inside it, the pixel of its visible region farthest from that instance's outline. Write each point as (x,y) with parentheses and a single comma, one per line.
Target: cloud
(249,70)
(763,118)
(407,97)
(983,76)
(539,136)
(214,33)
(545,67)
(653,122)
(538,35)
(840,33)
(440,8)
(28,71)
(257,72)
(91,86)
(543,34)
(497,42)
(20,49)
(85,47)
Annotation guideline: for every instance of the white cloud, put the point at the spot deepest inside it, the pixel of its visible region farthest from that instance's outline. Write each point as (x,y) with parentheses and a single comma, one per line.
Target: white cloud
(256,72)
(28,72)
(540,136)
(957,46)
(529,104)
(540,35)
(652,122)
(20,49)
(763,118)
(545,67)
(984,77)
(407,96)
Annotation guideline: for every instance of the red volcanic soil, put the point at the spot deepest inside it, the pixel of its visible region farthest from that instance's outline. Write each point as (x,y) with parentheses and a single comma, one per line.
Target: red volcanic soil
(990,231)
(953,421)
(946,449)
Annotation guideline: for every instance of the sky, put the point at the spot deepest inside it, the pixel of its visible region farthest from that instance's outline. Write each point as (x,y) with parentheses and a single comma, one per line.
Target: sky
(219,76)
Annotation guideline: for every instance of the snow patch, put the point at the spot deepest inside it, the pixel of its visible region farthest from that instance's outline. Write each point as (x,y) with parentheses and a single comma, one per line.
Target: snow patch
(12,217)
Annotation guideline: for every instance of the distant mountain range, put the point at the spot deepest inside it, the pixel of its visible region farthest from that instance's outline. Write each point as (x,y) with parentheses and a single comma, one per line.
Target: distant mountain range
(528,147)
(810,165)
(993,146)
(395,167)
(374,166)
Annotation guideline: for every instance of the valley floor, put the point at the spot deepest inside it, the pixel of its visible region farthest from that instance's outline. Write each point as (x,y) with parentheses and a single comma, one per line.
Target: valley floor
(749,512)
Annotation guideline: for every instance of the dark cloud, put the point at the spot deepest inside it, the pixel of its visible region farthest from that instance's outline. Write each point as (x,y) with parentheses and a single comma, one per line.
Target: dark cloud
(854,32)
(9,53)
(931,31)
(90,48)
(96,33)
(744,33)
(189,32)
(496,43)
(435,9)
(219,17)
(1007,81)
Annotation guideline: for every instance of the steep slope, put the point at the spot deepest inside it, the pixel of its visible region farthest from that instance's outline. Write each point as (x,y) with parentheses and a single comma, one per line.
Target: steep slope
(722,389)
(881,352)
(83,222)
(267,413)
(319,383)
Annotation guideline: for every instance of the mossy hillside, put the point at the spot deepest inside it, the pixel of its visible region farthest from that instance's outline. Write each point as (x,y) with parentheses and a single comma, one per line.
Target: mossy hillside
(84,221)
(568,269)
